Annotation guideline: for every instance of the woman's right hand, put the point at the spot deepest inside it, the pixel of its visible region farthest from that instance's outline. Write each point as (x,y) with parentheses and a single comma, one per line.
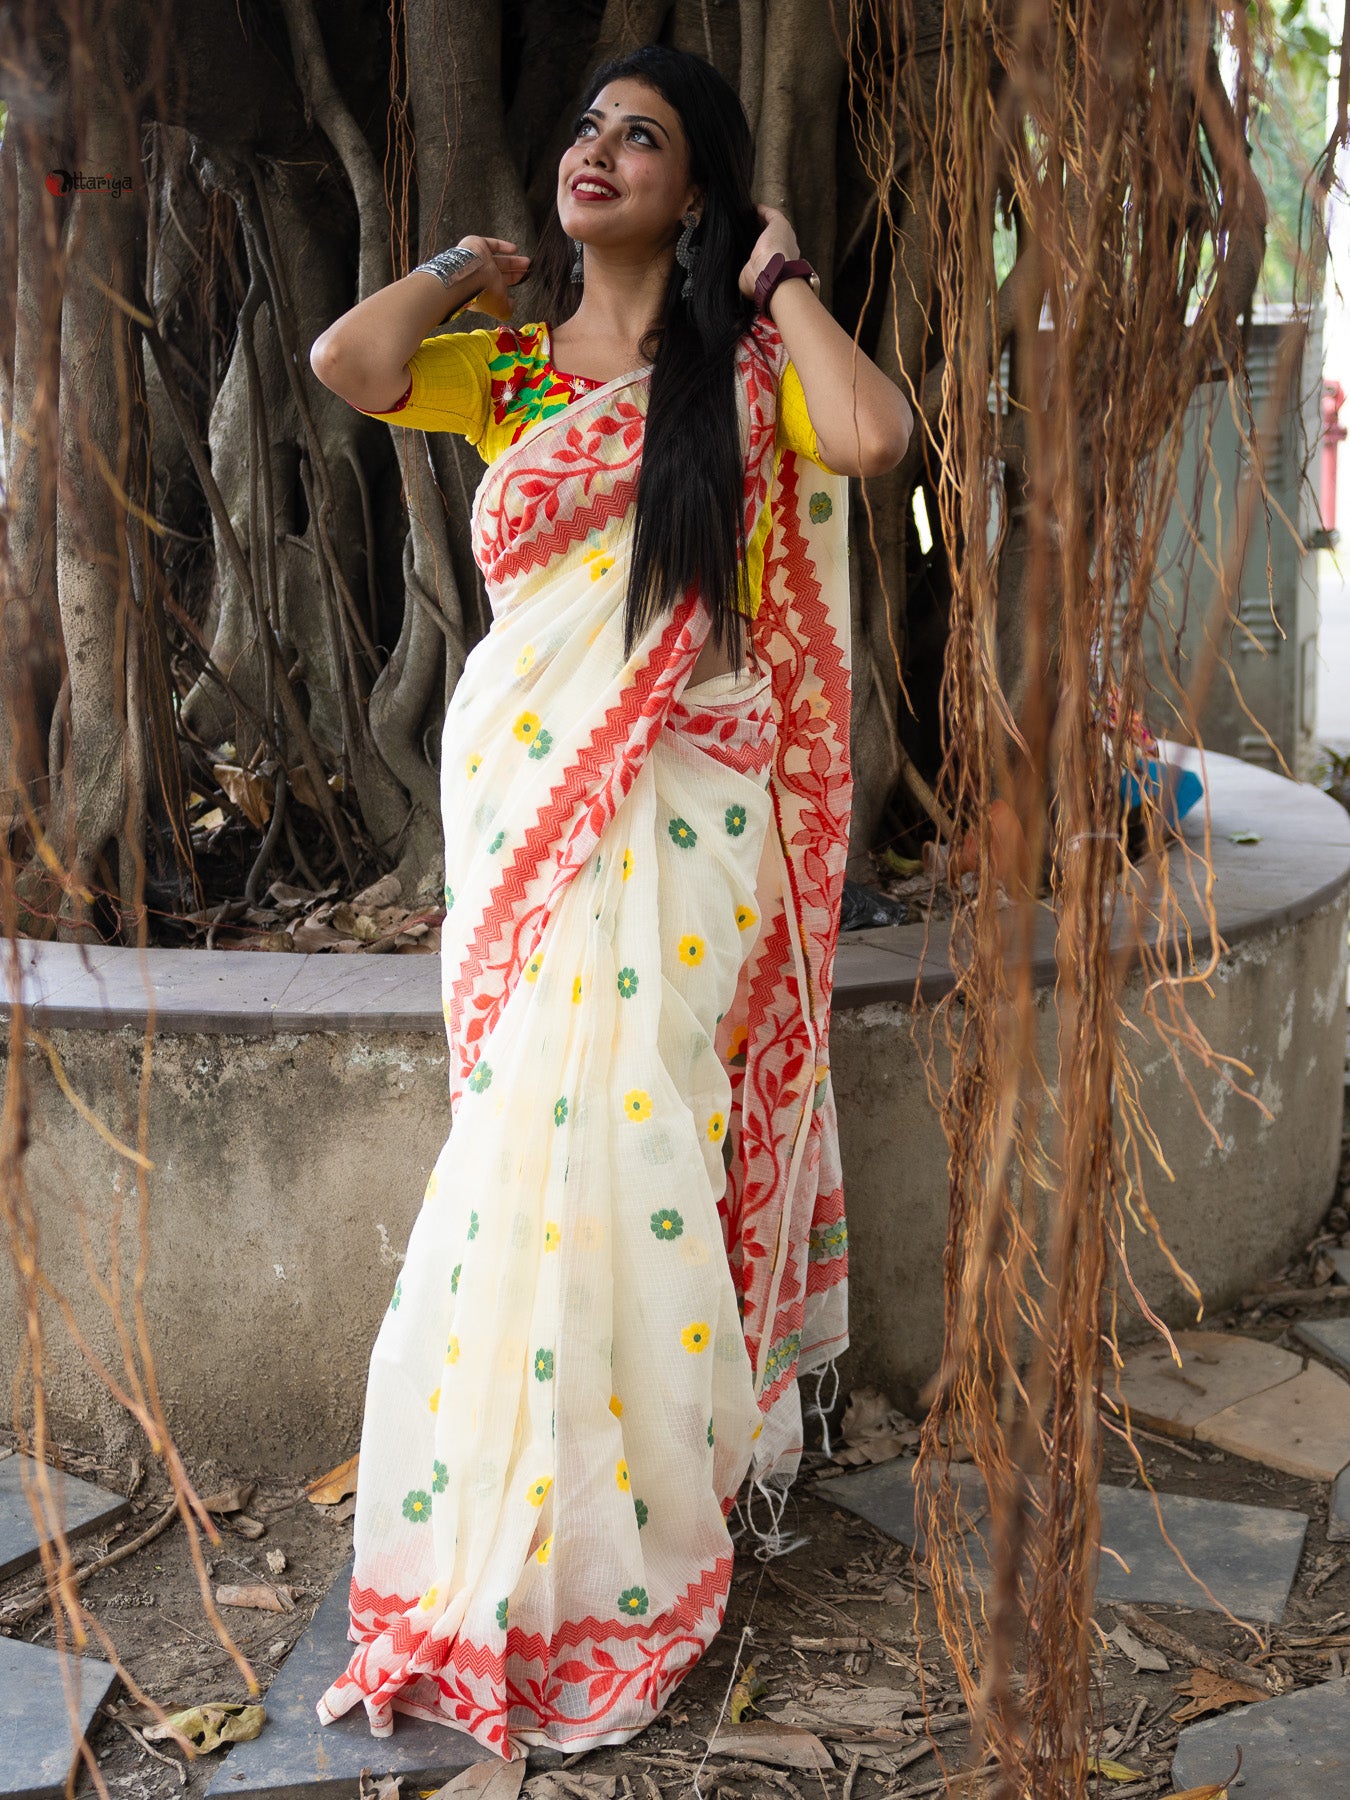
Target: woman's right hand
(499,268)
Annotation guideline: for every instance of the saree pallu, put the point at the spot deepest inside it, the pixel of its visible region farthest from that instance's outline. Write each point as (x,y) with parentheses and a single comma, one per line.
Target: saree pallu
(632,1244)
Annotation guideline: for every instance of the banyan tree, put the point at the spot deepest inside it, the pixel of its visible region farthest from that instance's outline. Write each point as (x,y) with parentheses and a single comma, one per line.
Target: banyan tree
(225,591)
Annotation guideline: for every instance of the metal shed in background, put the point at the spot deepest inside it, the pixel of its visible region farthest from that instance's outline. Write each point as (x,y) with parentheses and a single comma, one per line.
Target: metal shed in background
(1262,707)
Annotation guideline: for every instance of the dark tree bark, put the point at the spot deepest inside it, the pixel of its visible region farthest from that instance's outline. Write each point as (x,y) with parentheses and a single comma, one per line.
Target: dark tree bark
(204,545)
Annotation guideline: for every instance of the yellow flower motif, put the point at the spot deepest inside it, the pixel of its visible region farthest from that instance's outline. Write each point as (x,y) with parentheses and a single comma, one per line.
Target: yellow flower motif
(739,1038)
(637,1104)
(552,1234)
(428,1599)
(627,864)
(755,1433)
(616,1406)
(601,562)
(576,991)
(538,1489)
(525,661)
(435,1401)
(695,1337)
(745,918)
(526,727)
(621,1475)
(473,764)
(431,1186)
(716,1126)
(691,950)
(534,965)
(452,1350)
(544,1551)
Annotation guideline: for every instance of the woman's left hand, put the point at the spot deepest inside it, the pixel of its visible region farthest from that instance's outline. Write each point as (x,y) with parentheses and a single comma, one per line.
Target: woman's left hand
(776,235)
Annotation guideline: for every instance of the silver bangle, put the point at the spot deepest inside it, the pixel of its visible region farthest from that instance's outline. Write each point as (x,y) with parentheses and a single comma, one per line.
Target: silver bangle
(448,265)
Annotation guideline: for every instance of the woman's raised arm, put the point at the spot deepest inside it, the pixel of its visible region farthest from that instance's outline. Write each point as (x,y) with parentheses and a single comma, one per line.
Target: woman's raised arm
(363,355)
(861,419)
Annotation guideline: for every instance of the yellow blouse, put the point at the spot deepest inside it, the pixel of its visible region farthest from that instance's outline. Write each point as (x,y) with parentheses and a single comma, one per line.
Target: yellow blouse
(489,386)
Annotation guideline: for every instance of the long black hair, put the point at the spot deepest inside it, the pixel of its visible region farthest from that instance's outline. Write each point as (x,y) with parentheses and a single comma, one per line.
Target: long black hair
(689,526)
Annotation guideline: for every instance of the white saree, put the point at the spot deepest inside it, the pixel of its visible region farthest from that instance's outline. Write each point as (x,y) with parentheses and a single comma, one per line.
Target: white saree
(632,1243)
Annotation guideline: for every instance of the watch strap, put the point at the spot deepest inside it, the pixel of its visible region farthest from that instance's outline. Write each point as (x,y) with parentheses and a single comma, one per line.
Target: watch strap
(780,268)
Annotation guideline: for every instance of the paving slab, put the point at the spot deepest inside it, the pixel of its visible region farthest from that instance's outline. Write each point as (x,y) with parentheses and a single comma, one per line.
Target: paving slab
(37,1747)
(1338,1513)
(297,1757)
(1301,1426)
(85,1508)
(1295,1747)
(1330,1337)
(1218,1369)
(1247,1556)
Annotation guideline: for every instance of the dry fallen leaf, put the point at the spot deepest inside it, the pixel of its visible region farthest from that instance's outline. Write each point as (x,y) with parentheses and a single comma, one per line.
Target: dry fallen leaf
(1114,1771)
(208,1727)
(249,792)
(335,1485)
(487,1780)
(873,1430)
(230,1500)
(276,1561)
(1142,1655)
(256,1595)
(1205,1692)
(750,1688)
(383,1787)
(246,1527)
(779,1746)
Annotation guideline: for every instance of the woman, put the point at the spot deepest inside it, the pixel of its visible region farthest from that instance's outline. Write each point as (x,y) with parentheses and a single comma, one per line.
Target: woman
(632,1243)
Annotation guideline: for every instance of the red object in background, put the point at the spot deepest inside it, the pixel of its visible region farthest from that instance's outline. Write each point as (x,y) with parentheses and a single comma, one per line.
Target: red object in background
(1333,433)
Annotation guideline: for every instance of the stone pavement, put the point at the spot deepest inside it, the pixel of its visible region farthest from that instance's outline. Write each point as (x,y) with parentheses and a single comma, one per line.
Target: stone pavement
(37,1748)
(1246,1556)
(297,1756)
(1295,1747)
(1247,1397)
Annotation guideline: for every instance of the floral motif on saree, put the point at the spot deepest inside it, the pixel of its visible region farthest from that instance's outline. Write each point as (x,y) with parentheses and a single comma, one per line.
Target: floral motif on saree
(632,1244)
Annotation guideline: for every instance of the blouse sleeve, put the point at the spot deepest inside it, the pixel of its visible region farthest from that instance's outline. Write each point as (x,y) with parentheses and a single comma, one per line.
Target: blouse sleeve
(795,430)
(451,389)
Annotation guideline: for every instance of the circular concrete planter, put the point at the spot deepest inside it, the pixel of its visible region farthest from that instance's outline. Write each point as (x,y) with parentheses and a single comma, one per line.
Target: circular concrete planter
(297,1103)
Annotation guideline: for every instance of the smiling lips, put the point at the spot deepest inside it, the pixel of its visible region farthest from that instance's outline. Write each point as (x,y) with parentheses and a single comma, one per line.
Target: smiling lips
(590,187)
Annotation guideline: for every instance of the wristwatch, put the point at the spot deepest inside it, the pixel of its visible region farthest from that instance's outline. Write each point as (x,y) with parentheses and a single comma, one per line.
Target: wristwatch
(779,268)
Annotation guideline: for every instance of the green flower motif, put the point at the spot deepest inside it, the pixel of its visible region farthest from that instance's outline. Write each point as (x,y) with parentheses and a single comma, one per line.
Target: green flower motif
(440,1478)
(397,1295)
(682,834)
(628,983)
(640,1508)
(454,1278)
(473,1225)
(710,1434)
(735,817)
(560,1110)
(820,507)
(481,1077)
(543,1365)
(667,1224)
(449,896)
(503,1608)
(417,1506)
(541,746)
(496,843)
(633,1602)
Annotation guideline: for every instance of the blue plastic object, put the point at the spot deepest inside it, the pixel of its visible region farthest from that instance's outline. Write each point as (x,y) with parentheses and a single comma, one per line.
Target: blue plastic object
(1175,791)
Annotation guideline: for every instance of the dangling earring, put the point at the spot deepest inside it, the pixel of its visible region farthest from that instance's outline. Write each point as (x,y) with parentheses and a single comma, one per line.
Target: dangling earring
(578,270)
(686,252)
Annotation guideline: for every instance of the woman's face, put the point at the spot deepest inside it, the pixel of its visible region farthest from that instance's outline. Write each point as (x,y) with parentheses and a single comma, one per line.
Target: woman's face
(624,180)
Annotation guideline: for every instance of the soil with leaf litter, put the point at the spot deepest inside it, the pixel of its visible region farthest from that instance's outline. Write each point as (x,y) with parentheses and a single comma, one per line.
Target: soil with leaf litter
(817,1660)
